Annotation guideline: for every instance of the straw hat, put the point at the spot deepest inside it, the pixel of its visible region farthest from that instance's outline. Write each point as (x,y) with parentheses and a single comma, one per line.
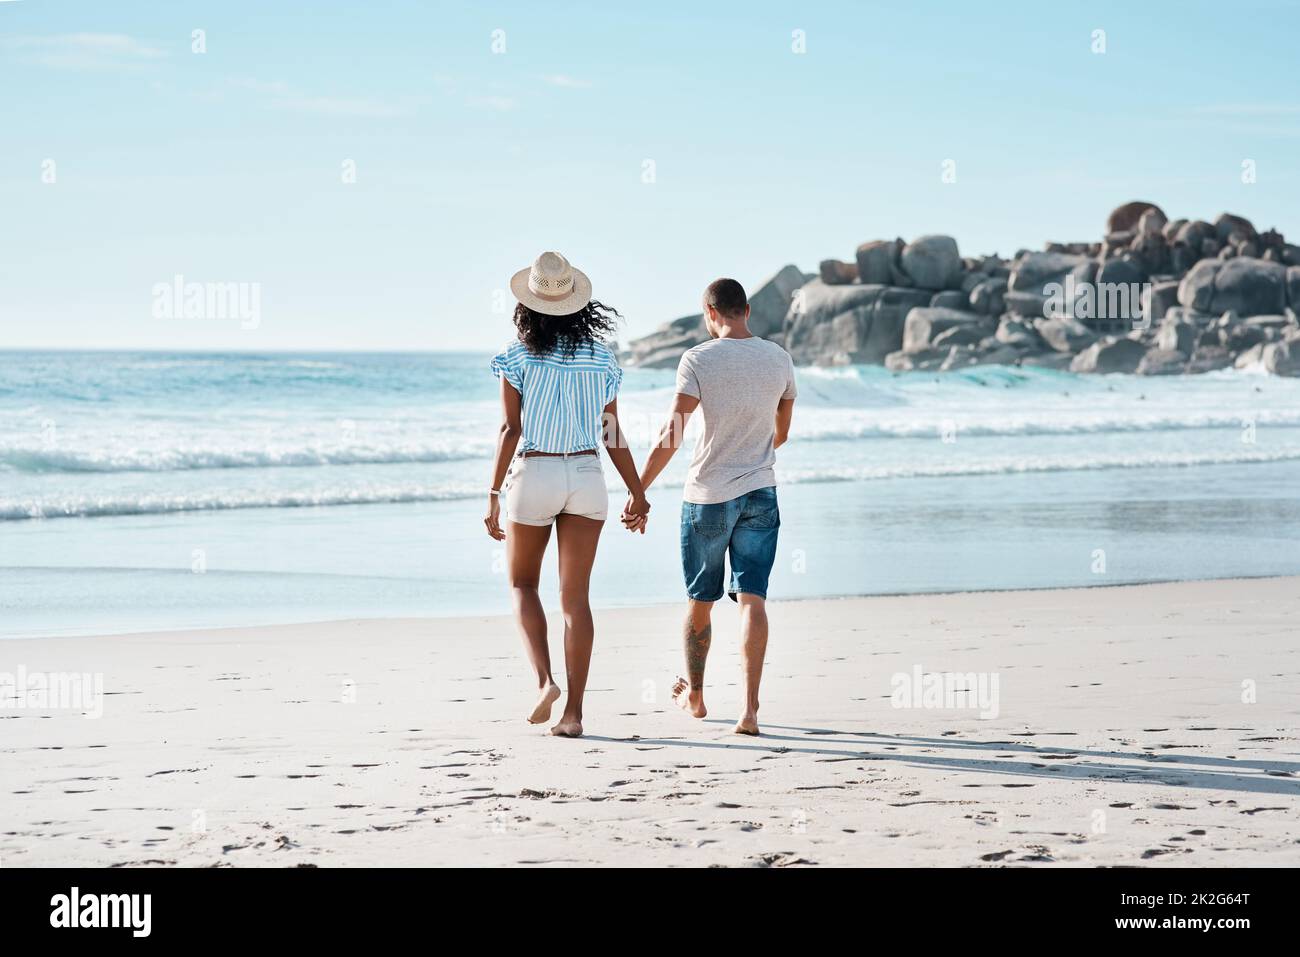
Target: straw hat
(551,286)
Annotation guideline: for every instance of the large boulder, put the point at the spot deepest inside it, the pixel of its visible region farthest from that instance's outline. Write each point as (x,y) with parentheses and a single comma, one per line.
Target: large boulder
(1248,287)
(924,360)
(1196,291)
(964,356)
(833,325)
(875,260)
(1032,271)
(1031,305)
(1293,287)
(1209,359)
(1110,355)
(769,303)
(967,334)
(1250,357)
(1152,251)
(1152,222)
(1158,299)
(987,296)
(1048,360)
(1177,336)
(1017,332)
(836,273)
(1065,334)
(1194,316)
(1188,244)
(924,324)
(950,299)
(932,262)
(1229,225)
(1125,268)
(1242,337)
(1162,362)
(1282,358)
(816,301)
(663,348)
(1127,217)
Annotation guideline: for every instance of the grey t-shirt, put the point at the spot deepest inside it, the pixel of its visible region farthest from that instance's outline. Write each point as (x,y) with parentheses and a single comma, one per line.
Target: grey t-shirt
(739,383)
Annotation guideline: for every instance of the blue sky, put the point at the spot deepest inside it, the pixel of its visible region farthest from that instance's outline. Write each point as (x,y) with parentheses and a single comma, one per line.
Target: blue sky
(226,165)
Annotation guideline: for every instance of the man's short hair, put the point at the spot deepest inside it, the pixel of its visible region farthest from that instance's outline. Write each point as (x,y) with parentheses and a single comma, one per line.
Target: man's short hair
(728,297)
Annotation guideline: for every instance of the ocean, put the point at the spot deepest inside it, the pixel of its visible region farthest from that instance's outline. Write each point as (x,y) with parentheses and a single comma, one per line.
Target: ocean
(143,491)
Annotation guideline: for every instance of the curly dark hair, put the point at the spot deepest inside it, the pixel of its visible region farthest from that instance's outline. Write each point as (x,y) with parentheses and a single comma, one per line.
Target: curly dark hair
(542,334)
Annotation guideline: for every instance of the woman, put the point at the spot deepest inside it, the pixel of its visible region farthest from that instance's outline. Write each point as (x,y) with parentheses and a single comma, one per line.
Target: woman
(558,387)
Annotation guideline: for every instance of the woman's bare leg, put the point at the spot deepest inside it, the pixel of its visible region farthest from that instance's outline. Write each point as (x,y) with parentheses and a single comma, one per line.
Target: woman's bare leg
(577,538)
(525,548)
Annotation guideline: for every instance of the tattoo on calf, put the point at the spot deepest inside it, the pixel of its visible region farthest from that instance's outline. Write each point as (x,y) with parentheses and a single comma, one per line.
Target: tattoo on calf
(697,651)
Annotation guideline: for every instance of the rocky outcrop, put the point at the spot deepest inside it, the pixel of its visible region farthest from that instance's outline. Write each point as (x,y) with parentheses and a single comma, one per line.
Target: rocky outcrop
(663,348)
(771,301)
(829,325)
(1154,296)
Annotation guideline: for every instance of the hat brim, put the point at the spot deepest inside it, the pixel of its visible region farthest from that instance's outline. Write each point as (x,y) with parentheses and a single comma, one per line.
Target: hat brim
(570,304)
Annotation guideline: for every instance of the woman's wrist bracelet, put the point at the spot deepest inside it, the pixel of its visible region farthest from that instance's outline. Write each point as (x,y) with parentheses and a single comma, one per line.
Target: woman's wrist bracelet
(494,491)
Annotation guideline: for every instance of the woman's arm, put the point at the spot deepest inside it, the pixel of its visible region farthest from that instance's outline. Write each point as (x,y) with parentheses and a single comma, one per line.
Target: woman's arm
(621,456)
(507,442)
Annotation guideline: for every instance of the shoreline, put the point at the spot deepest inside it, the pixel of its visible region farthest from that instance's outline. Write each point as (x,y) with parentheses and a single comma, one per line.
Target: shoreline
(1122,737)
(598,608)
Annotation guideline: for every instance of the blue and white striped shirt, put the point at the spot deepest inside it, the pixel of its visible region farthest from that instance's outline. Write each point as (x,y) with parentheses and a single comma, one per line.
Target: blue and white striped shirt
(563,398)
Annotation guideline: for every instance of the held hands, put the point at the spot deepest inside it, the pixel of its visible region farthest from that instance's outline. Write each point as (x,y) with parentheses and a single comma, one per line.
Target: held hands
(635,513)
(493,519)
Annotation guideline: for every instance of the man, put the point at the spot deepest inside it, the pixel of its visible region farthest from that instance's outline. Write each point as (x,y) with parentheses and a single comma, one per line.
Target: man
(744,387)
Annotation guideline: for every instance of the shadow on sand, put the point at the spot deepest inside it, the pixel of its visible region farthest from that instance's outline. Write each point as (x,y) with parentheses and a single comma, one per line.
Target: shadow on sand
(1171,770)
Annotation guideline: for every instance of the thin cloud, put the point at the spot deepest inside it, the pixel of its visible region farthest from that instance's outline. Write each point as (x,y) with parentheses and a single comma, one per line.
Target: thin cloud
(83,51)
(277,95)
(501,104)
(566,82)
(1251,109)
(453,88)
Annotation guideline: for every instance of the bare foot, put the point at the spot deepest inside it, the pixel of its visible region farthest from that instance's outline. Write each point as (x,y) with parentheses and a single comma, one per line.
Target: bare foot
(550,694)
(568,728)
(692,702)
(748,724)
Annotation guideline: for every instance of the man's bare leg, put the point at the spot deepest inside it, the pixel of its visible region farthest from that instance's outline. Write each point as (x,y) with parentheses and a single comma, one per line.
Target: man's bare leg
(688,692)
(753,647)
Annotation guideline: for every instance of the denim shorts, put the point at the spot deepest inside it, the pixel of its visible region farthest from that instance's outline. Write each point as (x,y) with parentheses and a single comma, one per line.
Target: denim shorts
(746,529)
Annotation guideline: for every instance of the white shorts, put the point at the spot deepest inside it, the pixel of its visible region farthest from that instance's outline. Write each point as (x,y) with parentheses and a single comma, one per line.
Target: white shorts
(539,487)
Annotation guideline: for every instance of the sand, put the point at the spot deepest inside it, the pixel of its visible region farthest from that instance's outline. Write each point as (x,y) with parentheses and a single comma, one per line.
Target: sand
(1147,725)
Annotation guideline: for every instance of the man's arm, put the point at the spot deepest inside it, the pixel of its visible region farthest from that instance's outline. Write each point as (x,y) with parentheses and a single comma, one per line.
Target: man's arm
(784,412)
(670,437)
